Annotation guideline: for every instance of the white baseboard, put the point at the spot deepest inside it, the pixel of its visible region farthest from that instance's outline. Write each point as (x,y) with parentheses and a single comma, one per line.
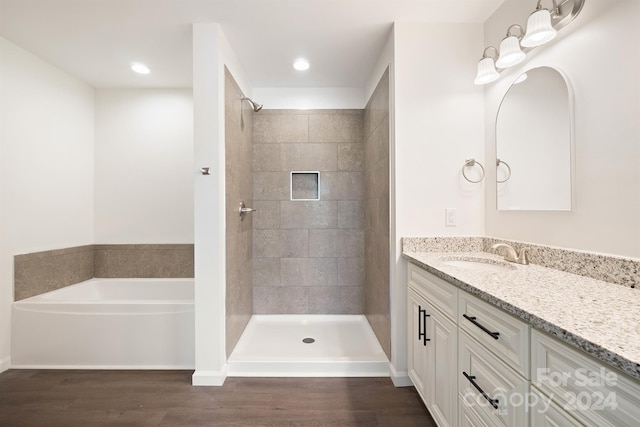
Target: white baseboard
(400,379)
(209,378)
(5,364)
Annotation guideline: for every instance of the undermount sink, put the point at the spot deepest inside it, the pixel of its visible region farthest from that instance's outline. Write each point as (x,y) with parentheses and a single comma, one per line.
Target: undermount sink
(478,264)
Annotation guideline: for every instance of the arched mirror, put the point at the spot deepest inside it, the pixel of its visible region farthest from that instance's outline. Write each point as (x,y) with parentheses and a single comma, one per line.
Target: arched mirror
(534,143)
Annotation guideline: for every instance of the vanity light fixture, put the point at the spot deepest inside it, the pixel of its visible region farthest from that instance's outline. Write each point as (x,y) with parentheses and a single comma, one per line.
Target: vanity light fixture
(510,52)
(539,28)
(542,27)
(487,72)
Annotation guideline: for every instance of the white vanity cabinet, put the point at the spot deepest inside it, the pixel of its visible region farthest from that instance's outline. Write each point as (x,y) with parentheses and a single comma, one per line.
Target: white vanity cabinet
(493,377)
(582,387)
(474,364)
(433,344)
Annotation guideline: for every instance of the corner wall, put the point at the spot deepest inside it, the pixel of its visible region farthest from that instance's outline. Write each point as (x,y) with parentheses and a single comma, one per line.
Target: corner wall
(211,53)
(46,169)
(143,166)
(437,123)
(599,53)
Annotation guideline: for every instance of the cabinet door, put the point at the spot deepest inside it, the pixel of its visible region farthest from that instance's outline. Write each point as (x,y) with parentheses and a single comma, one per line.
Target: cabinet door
(416,354)
(442,349)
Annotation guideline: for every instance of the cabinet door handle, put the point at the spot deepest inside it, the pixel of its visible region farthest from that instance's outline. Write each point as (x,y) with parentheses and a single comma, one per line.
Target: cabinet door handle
(471,378)
(472,319)
(422,325)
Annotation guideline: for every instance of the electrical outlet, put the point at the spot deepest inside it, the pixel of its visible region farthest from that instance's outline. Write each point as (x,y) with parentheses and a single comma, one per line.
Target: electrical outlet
(450,217)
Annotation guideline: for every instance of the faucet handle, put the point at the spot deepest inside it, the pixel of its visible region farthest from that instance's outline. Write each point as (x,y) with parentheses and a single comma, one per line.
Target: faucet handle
(523,256)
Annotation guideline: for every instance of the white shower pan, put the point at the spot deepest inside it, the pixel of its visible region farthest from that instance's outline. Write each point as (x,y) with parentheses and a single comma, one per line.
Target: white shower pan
(274,346)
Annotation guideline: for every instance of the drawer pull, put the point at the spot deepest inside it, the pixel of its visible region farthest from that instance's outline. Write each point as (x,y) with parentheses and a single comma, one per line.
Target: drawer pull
(472,319)
(471,378)
(422,325)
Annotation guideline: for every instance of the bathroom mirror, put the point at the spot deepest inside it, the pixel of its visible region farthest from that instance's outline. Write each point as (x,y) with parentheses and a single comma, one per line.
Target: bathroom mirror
(534,143)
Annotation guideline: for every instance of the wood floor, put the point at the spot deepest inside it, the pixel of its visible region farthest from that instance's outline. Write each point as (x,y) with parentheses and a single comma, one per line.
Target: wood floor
(166,398)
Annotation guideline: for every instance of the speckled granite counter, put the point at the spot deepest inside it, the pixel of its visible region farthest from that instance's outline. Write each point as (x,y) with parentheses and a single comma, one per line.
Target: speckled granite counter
(598,317)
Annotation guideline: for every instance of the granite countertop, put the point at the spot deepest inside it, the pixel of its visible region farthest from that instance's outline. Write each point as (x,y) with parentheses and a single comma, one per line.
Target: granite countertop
(601,318)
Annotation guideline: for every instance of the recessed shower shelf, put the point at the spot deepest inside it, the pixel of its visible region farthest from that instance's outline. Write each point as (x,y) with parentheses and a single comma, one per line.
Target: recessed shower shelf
(305,185)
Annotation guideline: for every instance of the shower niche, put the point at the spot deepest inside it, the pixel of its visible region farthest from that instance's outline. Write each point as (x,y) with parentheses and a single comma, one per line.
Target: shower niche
(305,186)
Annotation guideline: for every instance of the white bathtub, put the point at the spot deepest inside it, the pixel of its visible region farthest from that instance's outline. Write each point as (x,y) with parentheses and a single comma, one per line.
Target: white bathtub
(107,324)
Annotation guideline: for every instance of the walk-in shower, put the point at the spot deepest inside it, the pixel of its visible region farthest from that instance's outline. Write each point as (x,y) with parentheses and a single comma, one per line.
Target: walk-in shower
(307,287)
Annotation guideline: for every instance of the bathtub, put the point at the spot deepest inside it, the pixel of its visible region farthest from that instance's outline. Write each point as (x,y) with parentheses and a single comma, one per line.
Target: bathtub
(107,324)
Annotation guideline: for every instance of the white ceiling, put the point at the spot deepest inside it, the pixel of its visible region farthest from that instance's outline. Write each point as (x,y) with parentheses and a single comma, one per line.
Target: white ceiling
(96,40)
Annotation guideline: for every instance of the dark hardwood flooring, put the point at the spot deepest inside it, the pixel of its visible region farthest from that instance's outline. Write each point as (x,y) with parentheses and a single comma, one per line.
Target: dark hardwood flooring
(166,398)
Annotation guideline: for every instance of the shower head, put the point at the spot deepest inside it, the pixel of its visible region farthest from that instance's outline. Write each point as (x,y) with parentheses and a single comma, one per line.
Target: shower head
(254,105)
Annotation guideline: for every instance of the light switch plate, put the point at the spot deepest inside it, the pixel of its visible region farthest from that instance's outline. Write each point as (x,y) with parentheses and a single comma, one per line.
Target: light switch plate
(450,217)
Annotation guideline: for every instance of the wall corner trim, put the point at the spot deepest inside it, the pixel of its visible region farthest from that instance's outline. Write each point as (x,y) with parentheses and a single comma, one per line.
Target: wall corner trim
(400,379)
(209,378)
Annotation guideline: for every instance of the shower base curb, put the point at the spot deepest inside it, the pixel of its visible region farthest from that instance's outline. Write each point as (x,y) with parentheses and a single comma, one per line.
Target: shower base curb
(308,369)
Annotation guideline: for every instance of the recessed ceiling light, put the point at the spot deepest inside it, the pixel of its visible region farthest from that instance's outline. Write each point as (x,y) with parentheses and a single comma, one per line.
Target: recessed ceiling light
(301,64)
(140,68)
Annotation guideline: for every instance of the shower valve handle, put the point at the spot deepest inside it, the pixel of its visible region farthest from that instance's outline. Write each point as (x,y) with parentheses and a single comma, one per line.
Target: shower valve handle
(243,210)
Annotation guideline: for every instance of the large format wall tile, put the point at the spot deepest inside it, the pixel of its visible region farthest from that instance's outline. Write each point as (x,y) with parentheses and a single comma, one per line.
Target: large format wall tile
(317,244)
(321,214)
(154,260)
(376,213)
(336,128)
(239,183)
(41,272)
(309,157)
(277,128)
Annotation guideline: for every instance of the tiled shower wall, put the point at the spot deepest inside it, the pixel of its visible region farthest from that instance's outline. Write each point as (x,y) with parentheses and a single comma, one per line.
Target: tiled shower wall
(239,232)
(376,143)
(308,255)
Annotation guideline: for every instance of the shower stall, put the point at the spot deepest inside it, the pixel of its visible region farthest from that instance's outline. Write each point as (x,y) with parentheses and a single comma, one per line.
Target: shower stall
(307,238)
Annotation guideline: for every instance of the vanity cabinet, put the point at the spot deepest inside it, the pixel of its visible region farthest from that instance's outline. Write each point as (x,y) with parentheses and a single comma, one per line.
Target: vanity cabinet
(474,364)
(433,344)
(582,387)
(493,377)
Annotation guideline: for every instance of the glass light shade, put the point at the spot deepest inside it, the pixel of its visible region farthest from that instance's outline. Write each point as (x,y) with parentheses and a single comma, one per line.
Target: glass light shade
(510,53)
(539,29)
(486,72)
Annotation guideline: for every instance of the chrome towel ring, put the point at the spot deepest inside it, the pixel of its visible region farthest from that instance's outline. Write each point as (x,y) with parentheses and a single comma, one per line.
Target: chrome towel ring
(498,161)
(471,163)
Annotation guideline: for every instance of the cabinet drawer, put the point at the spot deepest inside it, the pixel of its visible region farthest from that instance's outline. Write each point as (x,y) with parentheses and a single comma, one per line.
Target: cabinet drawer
(546,413)
(470,418)
(495,392)
(583,386)
(499,331)
(443,295)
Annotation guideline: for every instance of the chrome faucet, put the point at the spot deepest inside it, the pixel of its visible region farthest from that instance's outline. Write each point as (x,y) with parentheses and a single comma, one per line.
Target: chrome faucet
(511,255)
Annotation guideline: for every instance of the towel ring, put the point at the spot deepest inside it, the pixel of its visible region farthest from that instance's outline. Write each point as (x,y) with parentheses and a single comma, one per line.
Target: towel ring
(498,161)
(472,163)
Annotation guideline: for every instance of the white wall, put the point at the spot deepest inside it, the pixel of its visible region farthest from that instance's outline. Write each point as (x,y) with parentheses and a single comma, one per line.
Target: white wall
(46,169)
(599,54)
(438,122)
(308,98)
(211,53)
(144,166)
